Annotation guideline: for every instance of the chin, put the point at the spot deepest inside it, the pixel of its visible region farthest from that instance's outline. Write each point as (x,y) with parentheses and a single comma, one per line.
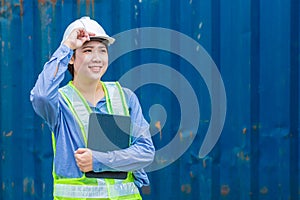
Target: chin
(97,77)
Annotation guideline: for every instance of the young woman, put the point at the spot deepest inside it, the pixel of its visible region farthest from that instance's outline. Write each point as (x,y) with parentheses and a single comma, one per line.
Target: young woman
(84,52)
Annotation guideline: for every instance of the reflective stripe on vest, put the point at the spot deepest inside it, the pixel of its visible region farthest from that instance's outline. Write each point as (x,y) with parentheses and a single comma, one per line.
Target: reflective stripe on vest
(79,107)
(86,187)
(95,191)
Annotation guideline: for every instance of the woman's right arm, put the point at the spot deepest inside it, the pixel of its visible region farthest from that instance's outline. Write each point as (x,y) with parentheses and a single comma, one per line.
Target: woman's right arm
(44,95)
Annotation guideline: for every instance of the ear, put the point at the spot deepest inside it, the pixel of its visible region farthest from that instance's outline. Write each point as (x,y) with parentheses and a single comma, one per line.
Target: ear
(72,60)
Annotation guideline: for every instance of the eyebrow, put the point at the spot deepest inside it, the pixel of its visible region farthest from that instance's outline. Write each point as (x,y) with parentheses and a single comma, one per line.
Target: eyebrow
(89,46)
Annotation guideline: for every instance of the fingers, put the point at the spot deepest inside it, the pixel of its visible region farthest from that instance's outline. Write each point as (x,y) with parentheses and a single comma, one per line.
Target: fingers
(83,35)
(77,38)
(81,150)
(84,159)
(91,34)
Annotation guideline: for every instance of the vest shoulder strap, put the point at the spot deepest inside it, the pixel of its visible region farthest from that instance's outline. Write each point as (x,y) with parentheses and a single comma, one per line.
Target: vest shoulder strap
(115,98)
(78,106)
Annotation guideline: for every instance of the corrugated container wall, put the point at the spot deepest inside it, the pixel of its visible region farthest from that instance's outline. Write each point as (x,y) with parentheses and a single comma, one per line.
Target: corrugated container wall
(255,46)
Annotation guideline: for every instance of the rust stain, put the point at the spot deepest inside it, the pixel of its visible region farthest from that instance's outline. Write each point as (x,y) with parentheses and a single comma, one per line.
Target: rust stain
(189,189)
(78,6)
(191,134)
(28,186)
(182,188)
(158,126)
(146,190)
(90,3)
(191,174)
(20,4)
(42,1)
(32,187)
(21,8)
(264,190)
(6,9)
(161,160)
(3,186)
(180,136)
(244,131)
(186,188)
(93,8)
(204,163)
(225,190)
(255,127)
(247,158)
(241,155)
(87,7)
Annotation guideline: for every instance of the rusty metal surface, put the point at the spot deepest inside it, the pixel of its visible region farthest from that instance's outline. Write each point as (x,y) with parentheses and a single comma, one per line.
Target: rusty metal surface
(255,45)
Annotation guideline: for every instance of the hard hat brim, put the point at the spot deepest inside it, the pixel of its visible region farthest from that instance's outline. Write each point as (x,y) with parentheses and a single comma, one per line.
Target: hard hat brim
(109,39)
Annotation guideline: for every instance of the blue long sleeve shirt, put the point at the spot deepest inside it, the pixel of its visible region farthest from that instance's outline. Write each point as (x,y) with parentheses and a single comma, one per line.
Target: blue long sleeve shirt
(49,104)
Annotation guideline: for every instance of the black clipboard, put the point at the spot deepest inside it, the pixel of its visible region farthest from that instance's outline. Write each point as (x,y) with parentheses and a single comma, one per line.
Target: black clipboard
(108,133)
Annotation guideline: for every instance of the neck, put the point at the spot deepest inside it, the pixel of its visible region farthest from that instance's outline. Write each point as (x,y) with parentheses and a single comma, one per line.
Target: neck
(88,87)
(91,91)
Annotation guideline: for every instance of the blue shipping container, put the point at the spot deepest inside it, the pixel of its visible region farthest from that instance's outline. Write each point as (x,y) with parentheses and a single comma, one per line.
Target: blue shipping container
(200,68)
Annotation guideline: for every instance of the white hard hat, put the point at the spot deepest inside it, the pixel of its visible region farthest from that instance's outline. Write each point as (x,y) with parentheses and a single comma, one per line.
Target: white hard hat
(90,26)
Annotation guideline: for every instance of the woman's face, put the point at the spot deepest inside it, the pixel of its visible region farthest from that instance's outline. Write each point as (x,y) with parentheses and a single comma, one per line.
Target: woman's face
(90,61)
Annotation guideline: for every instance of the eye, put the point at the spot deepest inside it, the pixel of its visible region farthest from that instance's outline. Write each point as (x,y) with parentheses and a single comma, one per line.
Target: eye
(103,50)
(87,50)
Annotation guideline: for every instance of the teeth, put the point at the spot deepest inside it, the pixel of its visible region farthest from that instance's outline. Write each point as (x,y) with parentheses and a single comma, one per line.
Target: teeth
(95,66)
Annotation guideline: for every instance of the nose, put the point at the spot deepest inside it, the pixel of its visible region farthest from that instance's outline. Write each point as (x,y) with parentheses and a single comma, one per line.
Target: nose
(97,57)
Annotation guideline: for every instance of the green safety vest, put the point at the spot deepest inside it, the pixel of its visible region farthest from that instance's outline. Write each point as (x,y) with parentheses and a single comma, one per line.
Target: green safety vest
(91,188)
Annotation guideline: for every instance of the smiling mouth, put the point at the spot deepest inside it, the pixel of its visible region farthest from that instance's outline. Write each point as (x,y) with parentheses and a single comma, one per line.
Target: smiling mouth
(95,67)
